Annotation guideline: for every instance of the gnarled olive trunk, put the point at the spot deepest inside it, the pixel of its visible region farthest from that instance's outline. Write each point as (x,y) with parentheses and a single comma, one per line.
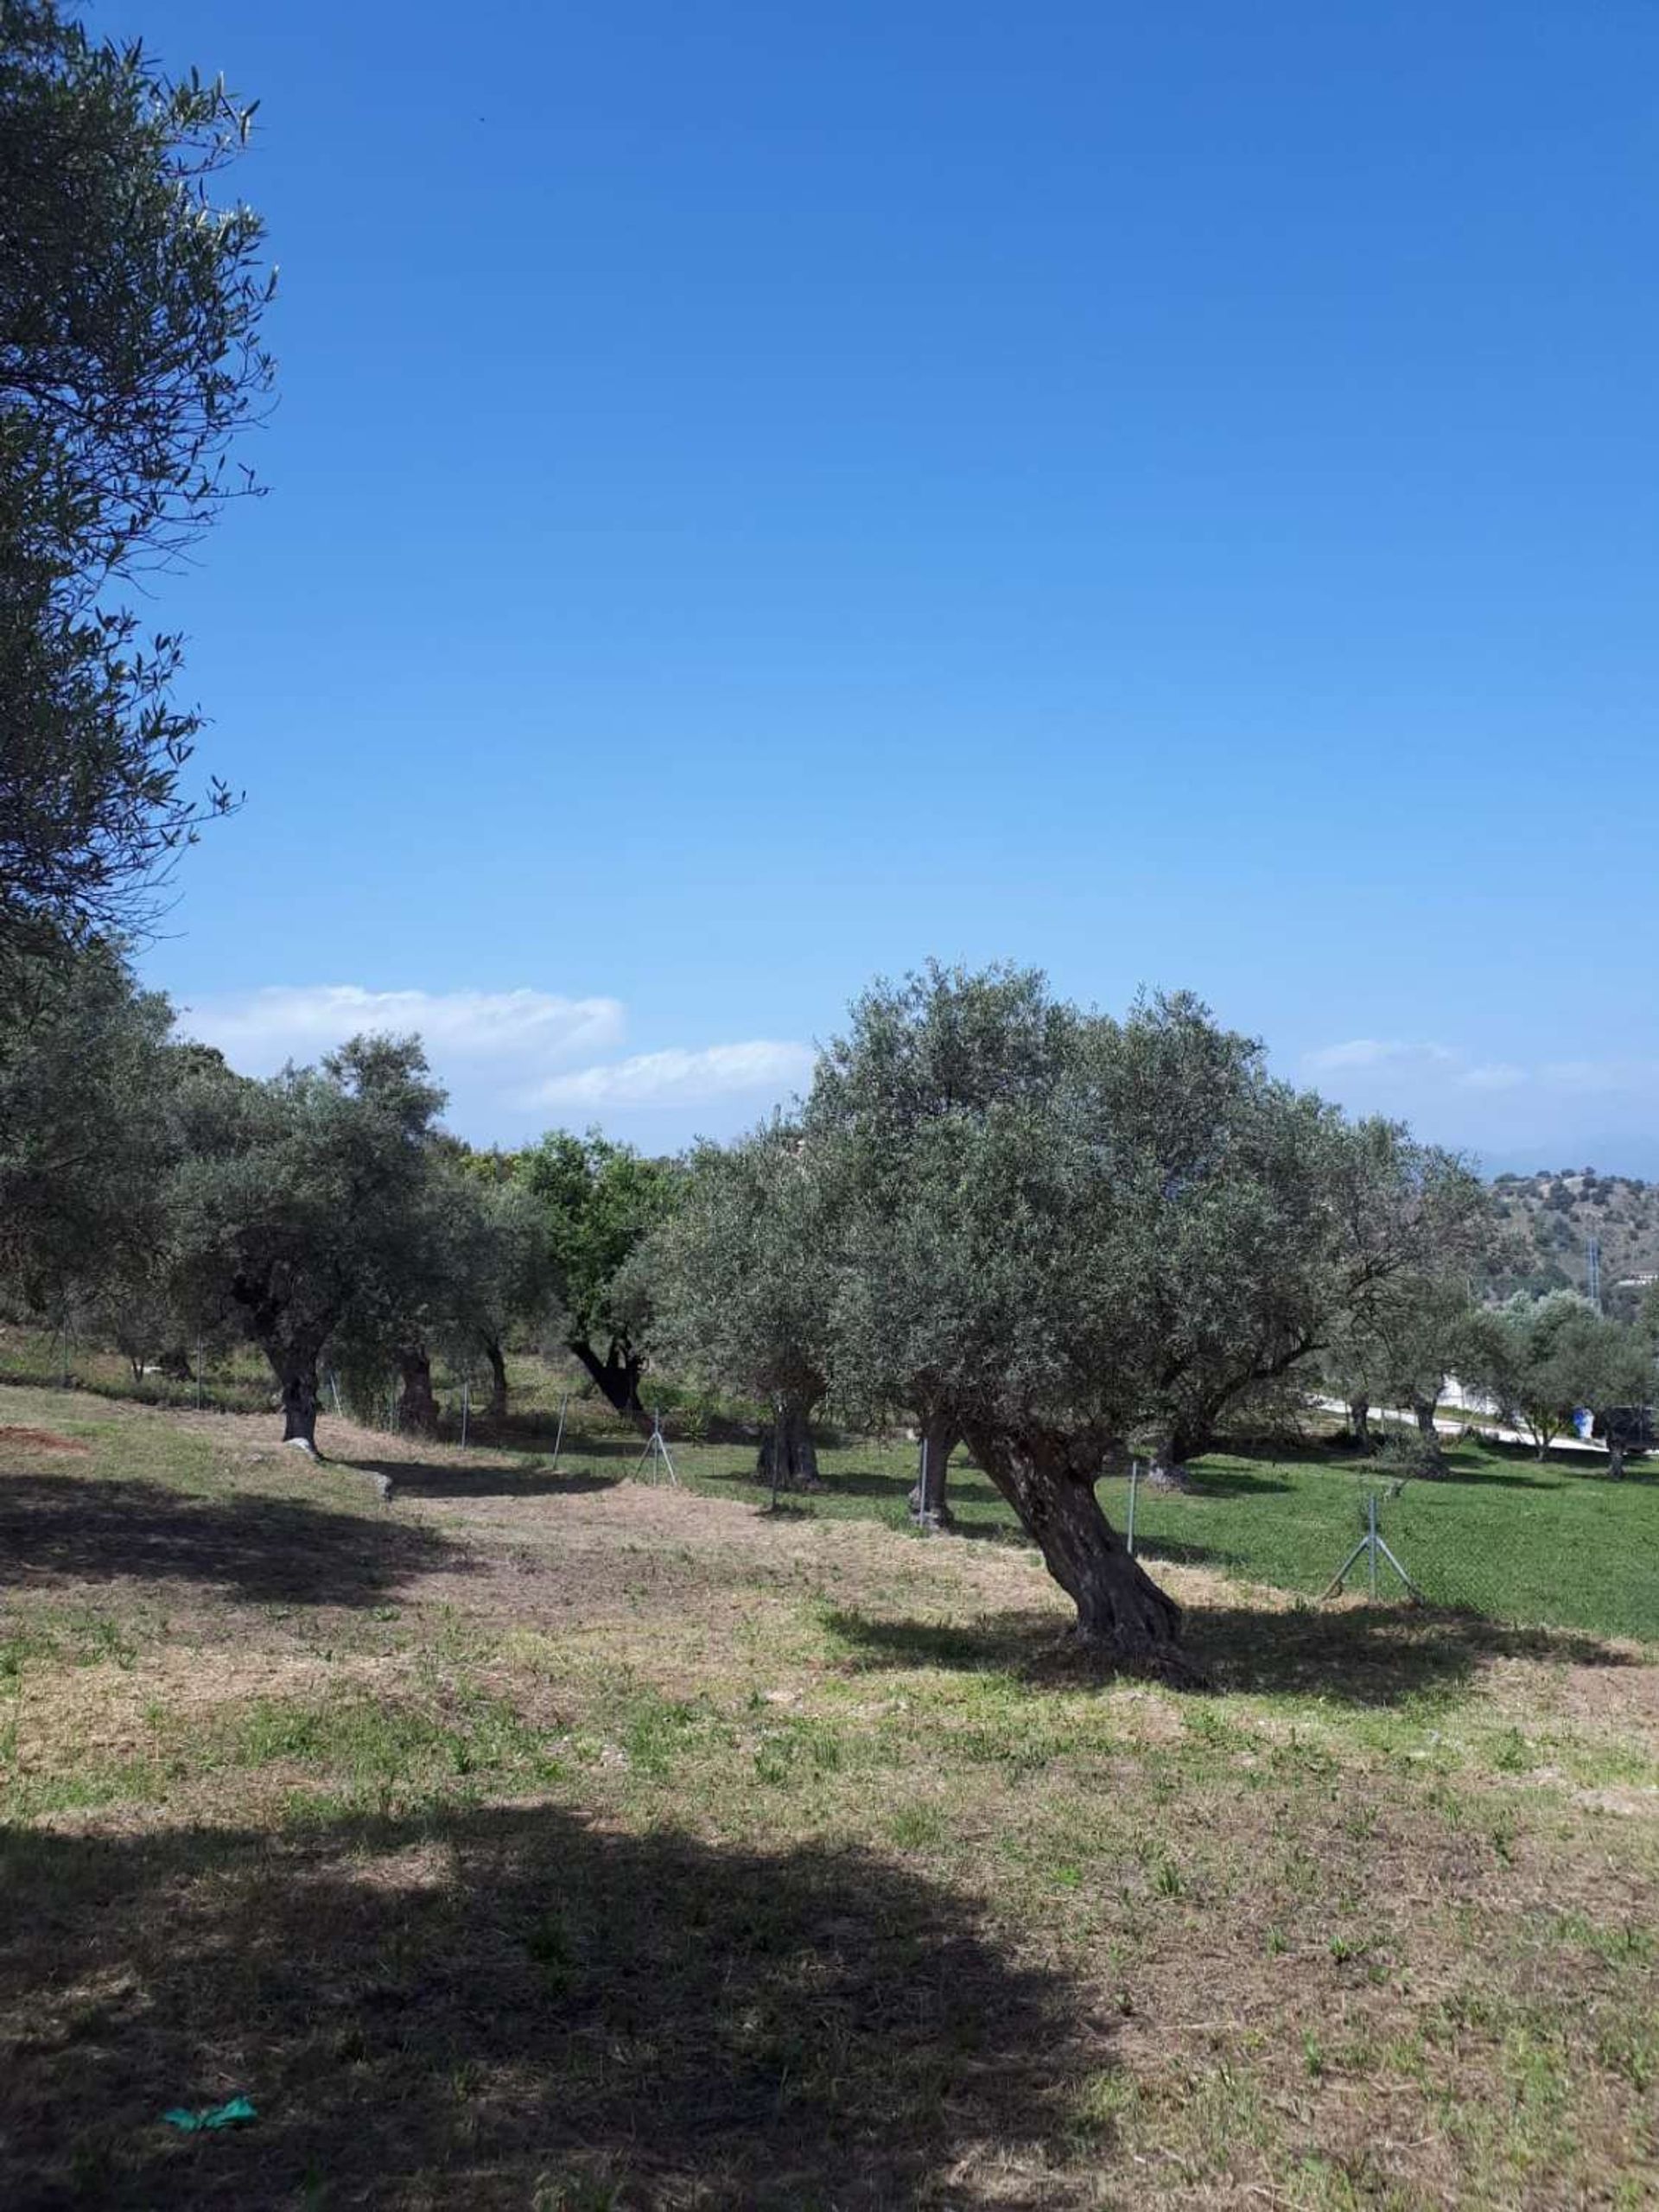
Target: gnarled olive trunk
(617,1374)
(1121,1612)
(789,1458)
(1166,1458)
(418,1408)
(296,1375)
(497,1358)
(1433,1446)
(929,1503)
(1359,1424)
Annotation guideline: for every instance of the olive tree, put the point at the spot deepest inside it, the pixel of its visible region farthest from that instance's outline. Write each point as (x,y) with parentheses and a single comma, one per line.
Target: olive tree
(1540,1359)
(1114,1223)
(500,1272)
(933,1049)
(741,1275)
(305,1204)
(131,302)
(1397,1351)
(1415,1227)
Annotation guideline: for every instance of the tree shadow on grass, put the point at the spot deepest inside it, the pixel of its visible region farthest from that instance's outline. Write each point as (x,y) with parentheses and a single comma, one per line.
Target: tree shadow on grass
(508,2008)
(1225,1482)
(422,1479)
(262,1549)
(1372,1655)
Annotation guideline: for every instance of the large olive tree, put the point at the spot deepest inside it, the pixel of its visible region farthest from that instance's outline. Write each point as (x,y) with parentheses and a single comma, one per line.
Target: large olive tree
(1113,1219)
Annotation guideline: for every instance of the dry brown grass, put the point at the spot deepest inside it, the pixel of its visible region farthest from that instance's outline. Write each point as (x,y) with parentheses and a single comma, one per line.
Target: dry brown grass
(573,1843)
(28,1440)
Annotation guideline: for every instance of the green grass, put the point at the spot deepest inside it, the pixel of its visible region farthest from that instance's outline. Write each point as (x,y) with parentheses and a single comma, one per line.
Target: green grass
(1553,1544)
(545,1841)
(1500,1535)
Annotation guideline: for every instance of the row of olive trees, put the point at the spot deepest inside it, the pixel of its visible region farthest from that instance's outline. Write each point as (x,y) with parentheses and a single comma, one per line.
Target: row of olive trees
(1053,1234)
(163,1201)
(1535,1361)
(1050,1234)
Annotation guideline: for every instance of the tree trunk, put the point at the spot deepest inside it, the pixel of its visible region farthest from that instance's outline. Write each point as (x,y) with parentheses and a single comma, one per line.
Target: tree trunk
(298,1377)
(497,1358)
(1433,1447)
(417,1410)
(1616,1459)
(1359,1424)
(929,1505)
(1121,1612)
(788,1446)
(1166,1461)
(617,1376)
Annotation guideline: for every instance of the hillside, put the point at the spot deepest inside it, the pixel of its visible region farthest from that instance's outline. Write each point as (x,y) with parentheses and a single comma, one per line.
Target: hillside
(1547,1219)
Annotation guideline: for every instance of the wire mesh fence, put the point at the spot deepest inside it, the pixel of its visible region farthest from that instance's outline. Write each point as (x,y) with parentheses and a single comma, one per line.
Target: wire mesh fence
(1508,1538)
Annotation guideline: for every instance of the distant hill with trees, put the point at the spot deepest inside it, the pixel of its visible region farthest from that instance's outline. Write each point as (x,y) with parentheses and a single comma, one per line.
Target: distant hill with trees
(1545,1221)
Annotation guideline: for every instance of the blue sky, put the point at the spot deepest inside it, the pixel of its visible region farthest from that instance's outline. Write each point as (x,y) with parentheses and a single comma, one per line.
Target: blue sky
(762,495)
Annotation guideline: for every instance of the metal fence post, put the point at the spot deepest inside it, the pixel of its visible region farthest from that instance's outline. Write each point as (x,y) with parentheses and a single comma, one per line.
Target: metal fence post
(1135,1484)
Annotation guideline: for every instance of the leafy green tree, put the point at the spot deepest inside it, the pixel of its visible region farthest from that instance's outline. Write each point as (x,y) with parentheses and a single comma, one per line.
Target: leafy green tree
(130,356)
(599,1201)
(740,1283)
(304,1204)
(1059,1233)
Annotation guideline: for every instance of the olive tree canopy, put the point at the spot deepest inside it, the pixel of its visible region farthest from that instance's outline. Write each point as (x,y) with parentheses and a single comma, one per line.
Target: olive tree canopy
(742,1274)
(1059,1230)
(305,1204)
(130,301)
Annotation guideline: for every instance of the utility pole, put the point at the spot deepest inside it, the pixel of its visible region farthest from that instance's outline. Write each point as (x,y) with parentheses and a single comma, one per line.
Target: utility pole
(1592,1272)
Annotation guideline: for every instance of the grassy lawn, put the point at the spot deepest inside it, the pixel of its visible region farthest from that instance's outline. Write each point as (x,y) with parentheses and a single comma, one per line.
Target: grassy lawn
(565,1841)
(1551,1544)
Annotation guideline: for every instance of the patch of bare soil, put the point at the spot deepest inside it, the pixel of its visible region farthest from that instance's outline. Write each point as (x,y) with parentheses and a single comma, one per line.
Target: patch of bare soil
(37,1439)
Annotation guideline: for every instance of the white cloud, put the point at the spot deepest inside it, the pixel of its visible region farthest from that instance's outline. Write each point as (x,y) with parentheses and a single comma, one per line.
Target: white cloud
(677,1078)
(1376,1052)
(1602,1075)
(1394,1060)
(257,1031)
(1493,1075)
(501,1055)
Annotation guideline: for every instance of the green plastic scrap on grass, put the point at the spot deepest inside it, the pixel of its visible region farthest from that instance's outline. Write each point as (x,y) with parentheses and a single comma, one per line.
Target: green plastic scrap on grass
(230,2115)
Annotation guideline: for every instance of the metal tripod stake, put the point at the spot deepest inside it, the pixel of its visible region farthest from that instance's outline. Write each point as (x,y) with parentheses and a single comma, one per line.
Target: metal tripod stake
(1370,1548)
(657,1450)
